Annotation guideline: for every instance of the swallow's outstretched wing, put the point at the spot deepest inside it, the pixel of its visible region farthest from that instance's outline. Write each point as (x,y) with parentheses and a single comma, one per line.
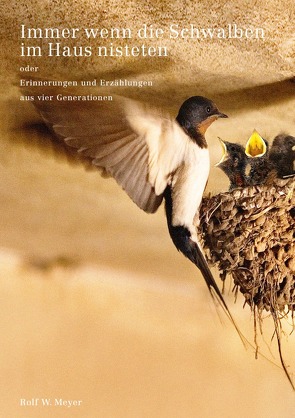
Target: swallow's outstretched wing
(137,145)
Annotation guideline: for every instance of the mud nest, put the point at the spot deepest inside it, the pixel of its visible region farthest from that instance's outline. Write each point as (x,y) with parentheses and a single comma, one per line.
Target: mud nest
(249,234)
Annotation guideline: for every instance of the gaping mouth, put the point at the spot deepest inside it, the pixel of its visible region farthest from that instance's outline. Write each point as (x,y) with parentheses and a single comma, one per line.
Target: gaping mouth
(224,152)
(256,146)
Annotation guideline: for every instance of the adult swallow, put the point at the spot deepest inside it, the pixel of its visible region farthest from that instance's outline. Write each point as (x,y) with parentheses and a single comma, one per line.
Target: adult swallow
(151,156)
(233,163)
(282,155)
(257,152)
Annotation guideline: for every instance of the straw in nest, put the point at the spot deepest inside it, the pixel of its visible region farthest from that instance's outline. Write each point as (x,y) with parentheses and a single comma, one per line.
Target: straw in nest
(249,233)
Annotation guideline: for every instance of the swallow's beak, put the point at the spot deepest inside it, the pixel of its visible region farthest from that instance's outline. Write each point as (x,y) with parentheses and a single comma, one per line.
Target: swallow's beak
(221,115)
(224,152)
(256,146)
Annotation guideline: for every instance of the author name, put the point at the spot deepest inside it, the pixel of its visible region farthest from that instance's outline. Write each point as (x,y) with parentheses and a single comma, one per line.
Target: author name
(67,403)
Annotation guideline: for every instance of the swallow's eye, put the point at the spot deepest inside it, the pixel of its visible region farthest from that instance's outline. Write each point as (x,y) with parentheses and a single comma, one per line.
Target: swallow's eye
(208,109)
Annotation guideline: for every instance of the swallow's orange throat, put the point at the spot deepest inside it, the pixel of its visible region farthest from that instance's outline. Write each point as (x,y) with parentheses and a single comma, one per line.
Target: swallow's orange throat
(203,126)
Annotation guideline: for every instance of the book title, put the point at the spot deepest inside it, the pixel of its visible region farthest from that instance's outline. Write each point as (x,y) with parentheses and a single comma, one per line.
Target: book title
(52,42)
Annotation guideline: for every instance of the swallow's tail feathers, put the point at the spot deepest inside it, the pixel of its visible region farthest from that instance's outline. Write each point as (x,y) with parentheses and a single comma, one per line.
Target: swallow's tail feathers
(194,253)
(191,249)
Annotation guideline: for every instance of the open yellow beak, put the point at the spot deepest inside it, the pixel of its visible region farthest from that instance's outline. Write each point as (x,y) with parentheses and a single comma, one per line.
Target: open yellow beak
(224,152)
(256,146)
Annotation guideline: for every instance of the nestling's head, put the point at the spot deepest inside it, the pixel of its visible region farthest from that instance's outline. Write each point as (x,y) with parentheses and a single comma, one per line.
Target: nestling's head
(285,142)
(233,156)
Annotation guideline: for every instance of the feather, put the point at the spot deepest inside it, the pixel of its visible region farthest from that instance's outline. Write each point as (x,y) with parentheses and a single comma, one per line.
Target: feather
(136,144)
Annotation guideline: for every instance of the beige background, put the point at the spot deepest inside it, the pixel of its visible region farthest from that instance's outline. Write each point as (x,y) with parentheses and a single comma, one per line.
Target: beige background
(96,304)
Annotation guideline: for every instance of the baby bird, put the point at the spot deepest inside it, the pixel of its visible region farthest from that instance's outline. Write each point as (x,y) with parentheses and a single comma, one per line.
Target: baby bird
(233,163)
(282,155)
(245,166)
(256,151)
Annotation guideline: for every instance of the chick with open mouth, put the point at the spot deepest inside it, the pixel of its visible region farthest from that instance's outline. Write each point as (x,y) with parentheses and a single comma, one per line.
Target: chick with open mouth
(245,166)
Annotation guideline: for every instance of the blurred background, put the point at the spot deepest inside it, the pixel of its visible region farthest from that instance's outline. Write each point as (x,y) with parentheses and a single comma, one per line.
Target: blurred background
(96,304)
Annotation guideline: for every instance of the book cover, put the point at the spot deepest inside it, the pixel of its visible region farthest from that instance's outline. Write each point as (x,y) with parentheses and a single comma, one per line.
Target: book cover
(101,317)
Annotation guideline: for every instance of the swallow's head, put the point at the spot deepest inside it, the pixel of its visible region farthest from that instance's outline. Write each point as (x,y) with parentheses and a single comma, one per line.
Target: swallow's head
(196,114)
